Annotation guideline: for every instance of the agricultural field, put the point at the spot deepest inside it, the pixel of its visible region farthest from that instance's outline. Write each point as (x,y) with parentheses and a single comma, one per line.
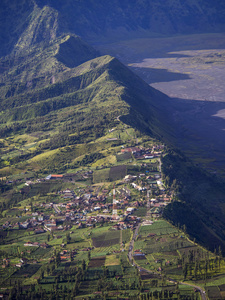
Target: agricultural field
(117,172)
(96,253)
(101,175)
(97,262)
(169,252)
(123,157)
(109,238)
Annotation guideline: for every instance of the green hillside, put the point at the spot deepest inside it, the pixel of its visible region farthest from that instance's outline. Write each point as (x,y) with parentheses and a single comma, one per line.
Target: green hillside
(82,104)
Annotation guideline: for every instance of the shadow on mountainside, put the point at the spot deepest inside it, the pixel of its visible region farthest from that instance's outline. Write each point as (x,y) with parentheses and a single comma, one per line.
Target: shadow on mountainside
(199,127)
(153,75)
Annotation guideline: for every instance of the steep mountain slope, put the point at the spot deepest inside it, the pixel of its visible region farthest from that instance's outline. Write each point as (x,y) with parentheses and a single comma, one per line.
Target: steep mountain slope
(25,70)
(200,205)
(119,18)
(40,78)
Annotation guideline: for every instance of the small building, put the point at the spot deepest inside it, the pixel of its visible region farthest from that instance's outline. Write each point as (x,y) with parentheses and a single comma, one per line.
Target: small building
(131,149)
(54,176)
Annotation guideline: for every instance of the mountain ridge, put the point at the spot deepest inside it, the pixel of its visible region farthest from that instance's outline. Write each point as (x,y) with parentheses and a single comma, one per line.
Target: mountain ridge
(110,69)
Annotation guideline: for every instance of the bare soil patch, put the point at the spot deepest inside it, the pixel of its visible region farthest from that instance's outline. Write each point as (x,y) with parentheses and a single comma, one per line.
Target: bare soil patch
(97,262)
(139,257)
(146,275)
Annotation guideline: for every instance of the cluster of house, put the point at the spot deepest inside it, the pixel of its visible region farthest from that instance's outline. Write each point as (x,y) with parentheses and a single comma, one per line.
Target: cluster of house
(144,153)
(65,177)
(129,222)
(22,262)
(38,223)
(36,244)
(75,208)
(157,204)
(28,224)
(78,207)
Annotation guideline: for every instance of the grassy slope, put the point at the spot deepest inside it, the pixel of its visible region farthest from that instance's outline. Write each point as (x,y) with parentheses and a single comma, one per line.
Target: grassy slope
(79,108)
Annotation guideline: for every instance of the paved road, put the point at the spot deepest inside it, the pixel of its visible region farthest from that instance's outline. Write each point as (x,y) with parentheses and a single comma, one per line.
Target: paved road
(160,166)
(57,210)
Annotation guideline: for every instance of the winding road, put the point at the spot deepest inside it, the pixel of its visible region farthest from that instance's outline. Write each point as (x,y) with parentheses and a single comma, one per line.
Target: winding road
(130,256)
(201,290)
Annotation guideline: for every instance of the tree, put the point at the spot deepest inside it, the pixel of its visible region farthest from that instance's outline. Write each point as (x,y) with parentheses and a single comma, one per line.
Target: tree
(68,238)
(185,271)
(83,265)
(89,255)
(71,256)
(58,259)
(220,255)
(42,274)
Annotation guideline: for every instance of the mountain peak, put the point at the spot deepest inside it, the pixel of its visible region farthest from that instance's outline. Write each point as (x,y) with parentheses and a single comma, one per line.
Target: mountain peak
(42,29)
(72,51)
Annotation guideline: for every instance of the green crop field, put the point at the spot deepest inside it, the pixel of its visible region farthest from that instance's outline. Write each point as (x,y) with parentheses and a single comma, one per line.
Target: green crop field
(126,235)
(117,172)
(123,157)
(109,238)
(101,175)
(141,212)
(159,228)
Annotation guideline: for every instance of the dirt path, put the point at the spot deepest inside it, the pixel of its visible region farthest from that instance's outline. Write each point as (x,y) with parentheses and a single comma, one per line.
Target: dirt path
(202,291)
(131,247)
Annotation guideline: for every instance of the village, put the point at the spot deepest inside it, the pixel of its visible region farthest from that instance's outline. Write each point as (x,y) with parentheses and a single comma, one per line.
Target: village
(91,205)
